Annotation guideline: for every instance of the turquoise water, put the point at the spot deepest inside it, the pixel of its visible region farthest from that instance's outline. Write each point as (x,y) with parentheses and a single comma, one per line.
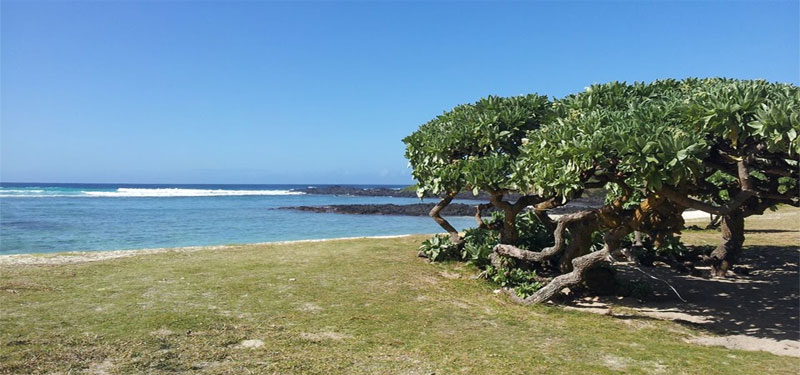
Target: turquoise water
(43,218)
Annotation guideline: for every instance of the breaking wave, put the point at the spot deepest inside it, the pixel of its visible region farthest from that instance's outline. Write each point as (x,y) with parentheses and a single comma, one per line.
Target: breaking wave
(177,192)
(139,192)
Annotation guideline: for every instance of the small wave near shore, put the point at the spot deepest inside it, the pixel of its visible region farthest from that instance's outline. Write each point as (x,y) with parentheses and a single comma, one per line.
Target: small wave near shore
(140,192)
(178,192)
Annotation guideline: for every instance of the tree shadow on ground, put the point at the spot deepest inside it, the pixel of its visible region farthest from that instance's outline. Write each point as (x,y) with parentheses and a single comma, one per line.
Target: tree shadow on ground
(771,231)
(763,303)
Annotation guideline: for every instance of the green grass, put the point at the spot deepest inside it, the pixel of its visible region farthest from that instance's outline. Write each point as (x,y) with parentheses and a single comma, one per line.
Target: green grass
(353,306)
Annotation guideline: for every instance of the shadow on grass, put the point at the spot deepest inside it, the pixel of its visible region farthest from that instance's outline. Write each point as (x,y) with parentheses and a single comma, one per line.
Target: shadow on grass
(771,231)
(762,304)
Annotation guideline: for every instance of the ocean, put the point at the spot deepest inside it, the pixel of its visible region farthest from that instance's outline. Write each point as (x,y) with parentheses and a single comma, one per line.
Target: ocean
(48,217)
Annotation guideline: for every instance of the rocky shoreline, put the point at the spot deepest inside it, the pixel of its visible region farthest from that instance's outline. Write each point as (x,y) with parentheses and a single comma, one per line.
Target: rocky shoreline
(385,192)
(422,209)
(418,209)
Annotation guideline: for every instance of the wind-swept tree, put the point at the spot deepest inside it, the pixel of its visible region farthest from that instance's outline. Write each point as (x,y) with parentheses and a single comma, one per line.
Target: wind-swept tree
(622,136)
(726,147)
(472,148)
(656,161)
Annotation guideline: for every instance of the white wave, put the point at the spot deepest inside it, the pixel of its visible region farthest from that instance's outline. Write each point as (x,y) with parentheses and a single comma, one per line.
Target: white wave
(176,192)
(34,195)
(20,191)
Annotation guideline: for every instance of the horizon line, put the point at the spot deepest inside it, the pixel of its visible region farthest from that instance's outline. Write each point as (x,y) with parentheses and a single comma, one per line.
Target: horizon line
(191,183)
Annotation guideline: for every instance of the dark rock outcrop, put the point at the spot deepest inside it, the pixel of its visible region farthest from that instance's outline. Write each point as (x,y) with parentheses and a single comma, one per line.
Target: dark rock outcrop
(423,209)
(385,192)
(419,209)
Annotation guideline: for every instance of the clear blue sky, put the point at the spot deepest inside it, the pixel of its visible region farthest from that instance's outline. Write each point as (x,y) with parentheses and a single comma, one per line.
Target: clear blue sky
(263,92)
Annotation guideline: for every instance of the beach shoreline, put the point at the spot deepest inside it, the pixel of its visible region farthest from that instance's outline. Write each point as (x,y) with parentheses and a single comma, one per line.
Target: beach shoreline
(68,257)
(71,257)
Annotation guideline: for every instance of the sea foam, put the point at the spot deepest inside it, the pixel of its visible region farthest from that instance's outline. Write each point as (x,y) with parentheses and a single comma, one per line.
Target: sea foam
(177,192)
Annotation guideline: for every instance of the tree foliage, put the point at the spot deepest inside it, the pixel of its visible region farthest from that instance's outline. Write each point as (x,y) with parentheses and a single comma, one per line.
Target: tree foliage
(472,146)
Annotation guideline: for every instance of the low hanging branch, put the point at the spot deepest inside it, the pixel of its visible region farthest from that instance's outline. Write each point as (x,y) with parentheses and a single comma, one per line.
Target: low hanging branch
(579,267)
(622,224)
(747,191)
(540,210)
(548,252)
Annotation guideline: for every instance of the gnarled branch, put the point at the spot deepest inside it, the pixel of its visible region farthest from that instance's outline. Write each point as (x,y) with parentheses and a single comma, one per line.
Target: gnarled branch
(747,191)
(478,216)
(436,215)
(548,252)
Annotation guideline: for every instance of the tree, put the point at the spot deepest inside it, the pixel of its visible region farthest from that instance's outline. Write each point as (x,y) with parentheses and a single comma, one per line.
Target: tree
(472,147)
(622,136)
(659,147)
(753,156)
(727,147)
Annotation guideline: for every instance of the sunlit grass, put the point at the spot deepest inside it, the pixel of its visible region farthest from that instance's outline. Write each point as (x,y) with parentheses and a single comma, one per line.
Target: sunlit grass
(352,306)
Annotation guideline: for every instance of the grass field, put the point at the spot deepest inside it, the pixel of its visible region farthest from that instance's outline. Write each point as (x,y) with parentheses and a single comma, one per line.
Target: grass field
(366,306)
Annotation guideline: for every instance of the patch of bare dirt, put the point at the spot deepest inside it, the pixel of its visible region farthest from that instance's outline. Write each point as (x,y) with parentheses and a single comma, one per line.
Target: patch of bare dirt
(742,342)
(250,344)
(162,332)
(325,335)
(450,275)
(309,307)
(101,368)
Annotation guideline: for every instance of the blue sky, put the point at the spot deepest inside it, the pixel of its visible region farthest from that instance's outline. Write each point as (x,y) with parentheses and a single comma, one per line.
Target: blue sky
(323,92)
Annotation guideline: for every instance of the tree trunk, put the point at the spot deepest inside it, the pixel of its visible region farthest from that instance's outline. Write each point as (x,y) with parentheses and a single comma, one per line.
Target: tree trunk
(725,255)
(580,265)
(508,234)
(479,218)
(580,243)
(435,214)
(609,216)
(637,239)
(545,219)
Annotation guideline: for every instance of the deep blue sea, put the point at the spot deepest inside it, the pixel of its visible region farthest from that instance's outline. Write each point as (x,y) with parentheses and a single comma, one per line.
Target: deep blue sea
(47,217)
